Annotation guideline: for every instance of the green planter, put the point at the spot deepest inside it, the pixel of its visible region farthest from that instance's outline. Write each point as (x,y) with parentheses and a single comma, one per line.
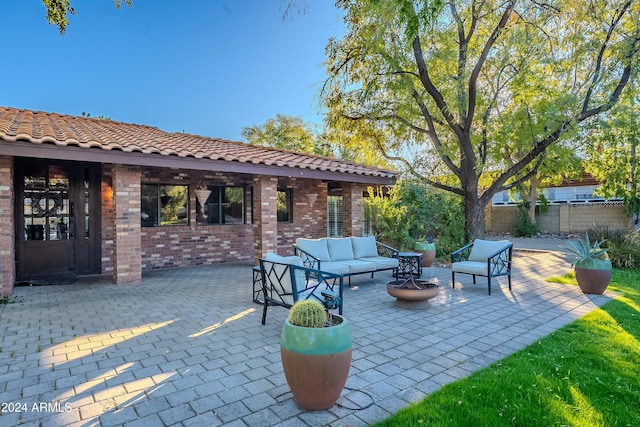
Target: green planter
(428,251)
(316,362)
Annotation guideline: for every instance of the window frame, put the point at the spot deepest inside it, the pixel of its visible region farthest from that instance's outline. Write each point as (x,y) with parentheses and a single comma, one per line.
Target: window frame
(158,220)
(218,193)
(288,203)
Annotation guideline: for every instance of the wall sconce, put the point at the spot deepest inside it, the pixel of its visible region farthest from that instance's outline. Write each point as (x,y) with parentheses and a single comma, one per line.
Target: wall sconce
(311,198)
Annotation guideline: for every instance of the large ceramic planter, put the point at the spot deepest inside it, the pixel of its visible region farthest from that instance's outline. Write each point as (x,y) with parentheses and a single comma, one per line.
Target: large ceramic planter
(428,251)
(593,276)
(316,362)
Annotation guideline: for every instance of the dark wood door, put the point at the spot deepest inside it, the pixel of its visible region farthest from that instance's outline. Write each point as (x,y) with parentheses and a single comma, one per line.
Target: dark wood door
(56,232)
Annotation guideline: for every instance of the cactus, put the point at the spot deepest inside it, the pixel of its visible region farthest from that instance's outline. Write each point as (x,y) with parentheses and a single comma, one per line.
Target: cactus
(308,313)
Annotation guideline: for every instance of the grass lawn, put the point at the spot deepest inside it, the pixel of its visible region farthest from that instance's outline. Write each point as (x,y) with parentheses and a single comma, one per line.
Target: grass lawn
(585,374)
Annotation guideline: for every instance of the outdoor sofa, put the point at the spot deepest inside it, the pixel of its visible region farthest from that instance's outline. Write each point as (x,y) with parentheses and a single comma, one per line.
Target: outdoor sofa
(346,256)
(483,258)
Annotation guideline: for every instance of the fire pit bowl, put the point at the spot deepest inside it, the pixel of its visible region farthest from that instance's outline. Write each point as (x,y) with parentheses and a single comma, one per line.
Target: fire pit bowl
(412,293)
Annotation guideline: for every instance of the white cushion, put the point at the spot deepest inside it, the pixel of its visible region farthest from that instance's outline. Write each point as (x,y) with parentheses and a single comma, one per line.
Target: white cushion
(364,247)
(358,266)
(340,249)
(483,249)
(316,247)
(382,262)
(335,267)
(470,267)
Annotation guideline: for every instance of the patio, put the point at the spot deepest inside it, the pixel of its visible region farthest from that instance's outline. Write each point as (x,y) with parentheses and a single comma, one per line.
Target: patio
(185,347)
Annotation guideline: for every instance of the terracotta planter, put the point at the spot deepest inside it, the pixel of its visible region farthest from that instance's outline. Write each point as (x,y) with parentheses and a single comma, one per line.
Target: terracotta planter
(316,362)
(428,251)
(592,281)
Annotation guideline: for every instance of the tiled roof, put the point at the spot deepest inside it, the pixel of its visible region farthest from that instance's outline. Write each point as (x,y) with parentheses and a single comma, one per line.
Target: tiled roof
(62,130)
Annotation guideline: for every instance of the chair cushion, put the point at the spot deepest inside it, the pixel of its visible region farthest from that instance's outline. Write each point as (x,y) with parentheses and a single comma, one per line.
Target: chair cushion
(316,247)
(364,247)
(340,249)
(470,267)
(483,249)
(382,262)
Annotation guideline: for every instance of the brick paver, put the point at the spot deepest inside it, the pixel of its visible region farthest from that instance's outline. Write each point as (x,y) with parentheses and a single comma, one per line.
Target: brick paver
(186,348)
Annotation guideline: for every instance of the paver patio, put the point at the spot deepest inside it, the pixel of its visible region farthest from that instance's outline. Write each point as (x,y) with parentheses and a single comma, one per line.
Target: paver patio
(185,347)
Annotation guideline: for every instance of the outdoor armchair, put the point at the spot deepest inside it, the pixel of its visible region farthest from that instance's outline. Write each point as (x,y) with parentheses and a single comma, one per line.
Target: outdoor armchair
(286,280)
(483,258)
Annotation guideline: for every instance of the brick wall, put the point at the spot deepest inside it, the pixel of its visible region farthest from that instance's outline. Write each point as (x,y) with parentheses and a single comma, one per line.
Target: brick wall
(308,221)
(7,218)
(126,203)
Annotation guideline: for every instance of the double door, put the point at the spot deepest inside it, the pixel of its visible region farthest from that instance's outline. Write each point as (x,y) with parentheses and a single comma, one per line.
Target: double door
(57,219)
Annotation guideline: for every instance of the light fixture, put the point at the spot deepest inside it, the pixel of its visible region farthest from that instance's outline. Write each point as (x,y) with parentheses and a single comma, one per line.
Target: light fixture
(311,198)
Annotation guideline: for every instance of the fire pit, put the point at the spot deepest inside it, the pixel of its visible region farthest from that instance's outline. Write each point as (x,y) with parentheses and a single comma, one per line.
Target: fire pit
(412,293)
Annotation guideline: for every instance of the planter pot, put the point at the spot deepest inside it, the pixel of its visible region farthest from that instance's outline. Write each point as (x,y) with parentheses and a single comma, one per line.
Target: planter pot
(592,277)
(316,362)
(428,251)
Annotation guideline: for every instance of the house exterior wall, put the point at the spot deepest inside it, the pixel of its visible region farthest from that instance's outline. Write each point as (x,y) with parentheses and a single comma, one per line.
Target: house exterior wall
(560,218)
(7,227)
(127,246)
(308,221)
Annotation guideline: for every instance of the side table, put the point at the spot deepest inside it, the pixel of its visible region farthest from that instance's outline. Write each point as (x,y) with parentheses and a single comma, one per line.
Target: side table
(409,264)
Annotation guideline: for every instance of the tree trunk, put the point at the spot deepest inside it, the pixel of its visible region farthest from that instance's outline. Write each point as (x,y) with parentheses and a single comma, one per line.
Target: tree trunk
(474,215)
(533,197)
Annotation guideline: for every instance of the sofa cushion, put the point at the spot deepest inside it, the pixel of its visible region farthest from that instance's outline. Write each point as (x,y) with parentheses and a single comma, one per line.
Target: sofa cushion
(483,249)
(358,266)
(316,247)
(340,249)
(364,247)
(335,267)
(382,262)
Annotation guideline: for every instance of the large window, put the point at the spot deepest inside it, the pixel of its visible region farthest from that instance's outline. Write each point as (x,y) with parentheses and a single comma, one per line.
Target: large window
(220,205)
(334,216)
(164,205)
(47,212)
(285,205)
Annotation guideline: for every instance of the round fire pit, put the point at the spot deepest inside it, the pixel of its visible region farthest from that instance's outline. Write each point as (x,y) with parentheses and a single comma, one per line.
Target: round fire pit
(412,293)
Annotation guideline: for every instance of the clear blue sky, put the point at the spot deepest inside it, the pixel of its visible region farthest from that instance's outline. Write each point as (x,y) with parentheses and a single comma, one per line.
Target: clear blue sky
(208,67)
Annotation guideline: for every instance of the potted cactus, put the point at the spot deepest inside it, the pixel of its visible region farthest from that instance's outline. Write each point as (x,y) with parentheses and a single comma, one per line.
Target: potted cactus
(315,350)
(592,265)
(428,250)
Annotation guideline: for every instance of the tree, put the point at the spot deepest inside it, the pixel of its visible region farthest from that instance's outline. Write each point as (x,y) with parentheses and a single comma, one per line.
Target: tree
(466,80)
(286,132)
(58,10)
(612,153)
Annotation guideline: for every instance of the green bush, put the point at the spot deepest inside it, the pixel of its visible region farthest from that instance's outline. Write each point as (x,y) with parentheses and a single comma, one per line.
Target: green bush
(524,227)
(623,245)
(410,212)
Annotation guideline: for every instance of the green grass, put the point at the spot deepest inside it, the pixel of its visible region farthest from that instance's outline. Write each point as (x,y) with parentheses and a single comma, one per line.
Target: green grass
(585,374)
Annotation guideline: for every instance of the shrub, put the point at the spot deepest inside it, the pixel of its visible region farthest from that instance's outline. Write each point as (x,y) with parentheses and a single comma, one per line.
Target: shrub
(623,245)
(524,227)
(410,212)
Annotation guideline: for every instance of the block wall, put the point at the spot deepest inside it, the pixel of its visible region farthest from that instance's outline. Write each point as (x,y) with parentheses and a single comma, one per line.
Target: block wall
(565,217)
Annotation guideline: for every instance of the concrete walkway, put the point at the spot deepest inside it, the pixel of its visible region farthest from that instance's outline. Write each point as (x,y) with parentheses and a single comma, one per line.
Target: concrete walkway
(186,347)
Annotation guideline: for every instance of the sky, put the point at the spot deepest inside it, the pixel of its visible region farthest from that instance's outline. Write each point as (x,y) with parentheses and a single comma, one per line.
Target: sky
(205,67)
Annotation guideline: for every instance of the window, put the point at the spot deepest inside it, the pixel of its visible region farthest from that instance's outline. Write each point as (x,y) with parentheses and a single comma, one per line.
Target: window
(164,205)
(47,210)
(285,205)
(334,216)
(220,205)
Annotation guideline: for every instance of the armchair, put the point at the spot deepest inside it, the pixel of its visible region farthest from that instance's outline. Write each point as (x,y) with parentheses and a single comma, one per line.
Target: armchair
(286,280)
(483,258)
